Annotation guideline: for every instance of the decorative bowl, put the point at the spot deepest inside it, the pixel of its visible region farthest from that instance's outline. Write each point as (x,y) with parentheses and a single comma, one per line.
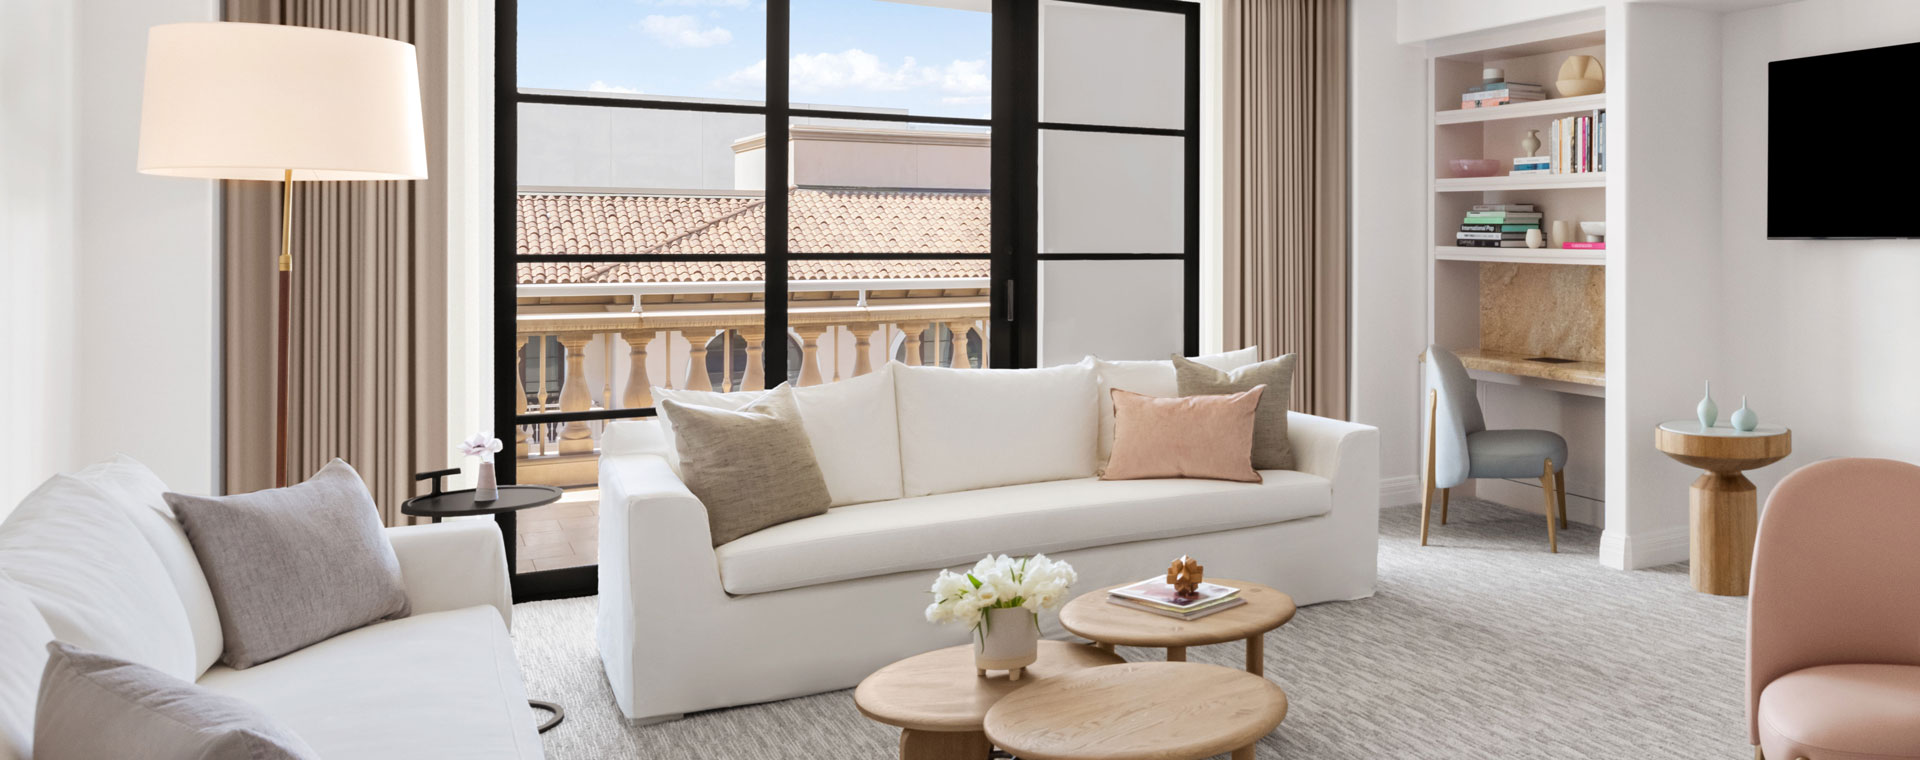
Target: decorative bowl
(1475,167)
(1596,229)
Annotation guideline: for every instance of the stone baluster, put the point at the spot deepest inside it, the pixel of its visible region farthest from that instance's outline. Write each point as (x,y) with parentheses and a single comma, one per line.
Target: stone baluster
(697,363)
(639,392)
(520,407)
(959,328)
(985,351)
(913,331)
(810,354)
(753,377)
(575,437)
(863,348)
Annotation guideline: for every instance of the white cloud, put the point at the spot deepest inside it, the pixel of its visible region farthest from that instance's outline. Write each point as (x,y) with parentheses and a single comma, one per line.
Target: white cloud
(600,86)
(962,100)
(684,31)
(700,3)
(750,78)
(961,81)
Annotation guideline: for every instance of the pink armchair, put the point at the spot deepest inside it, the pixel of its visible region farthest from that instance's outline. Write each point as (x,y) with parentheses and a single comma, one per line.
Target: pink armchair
(1833,624)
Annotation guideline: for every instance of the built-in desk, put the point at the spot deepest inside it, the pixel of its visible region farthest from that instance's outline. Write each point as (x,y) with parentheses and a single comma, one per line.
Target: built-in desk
(1578,378)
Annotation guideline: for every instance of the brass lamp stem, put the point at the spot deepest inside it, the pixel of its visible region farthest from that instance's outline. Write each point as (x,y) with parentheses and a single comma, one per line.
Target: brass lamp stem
(286,223)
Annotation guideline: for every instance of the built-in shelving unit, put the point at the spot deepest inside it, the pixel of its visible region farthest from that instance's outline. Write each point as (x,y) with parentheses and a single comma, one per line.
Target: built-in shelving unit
(1549,107)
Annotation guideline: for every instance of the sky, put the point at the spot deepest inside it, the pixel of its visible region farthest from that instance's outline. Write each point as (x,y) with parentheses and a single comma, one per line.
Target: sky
(870,53)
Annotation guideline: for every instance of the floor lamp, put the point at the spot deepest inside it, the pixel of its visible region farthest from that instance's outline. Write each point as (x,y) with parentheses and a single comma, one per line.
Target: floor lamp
(280,104)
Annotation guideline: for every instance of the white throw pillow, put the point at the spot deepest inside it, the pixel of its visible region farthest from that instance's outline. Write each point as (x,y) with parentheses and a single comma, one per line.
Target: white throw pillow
(94,578)
(852,425)
(141,494)
(1152,378)
(23,654)
(966,429)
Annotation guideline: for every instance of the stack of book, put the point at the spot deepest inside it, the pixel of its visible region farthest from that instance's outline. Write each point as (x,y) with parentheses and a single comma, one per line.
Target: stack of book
(1497,225)
(1157,596)
(1578,144)
(1527,165)
(1501,93)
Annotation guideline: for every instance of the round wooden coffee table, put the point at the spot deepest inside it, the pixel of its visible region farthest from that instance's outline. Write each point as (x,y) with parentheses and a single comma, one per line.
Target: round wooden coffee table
(1092,617)
(1139,711)
(938,701)
(1723,506)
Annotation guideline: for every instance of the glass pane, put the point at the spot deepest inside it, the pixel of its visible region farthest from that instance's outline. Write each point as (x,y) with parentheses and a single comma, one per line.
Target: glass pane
(1112,66)
(1115,310)
(710,50)
(1108,193)
(851,317)
(589,224)
(875,187)
(899,57)
(589,147)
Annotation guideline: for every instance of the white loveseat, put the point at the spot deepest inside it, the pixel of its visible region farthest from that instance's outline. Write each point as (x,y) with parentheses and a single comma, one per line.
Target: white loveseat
(95,559)
(998,461)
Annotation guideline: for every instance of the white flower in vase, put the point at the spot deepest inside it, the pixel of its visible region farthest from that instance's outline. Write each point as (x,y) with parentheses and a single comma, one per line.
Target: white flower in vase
(484,446)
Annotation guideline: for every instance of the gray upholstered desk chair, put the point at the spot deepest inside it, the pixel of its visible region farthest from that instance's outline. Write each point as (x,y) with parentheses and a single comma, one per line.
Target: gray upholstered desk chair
(1460,447)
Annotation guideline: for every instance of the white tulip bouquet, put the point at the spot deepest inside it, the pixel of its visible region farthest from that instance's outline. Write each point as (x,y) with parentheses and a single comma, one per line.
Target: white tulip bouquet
(999,582)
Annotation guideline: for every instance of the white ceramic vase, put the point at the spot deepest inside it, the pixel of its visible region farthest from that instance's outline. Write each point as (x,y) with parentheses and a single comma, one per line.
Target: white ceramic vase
(488,487)
(1008,639)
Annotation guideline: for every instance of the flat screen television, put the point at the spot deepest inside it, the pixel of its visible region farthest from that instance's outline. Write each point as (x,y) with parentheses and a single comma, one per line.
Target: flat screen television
(1833,124)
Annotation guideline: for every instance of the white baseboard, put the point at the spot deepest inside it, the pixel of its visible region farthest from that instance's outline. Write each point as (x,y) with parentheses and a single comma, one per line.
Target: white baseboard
(1399,491)
(1622,551)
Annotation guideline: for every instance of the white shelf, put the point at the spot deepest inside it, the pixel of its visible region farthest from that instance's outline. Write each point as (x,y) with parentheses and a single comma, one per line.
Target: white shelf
(1550,107)
(1523,182)
(1573,256)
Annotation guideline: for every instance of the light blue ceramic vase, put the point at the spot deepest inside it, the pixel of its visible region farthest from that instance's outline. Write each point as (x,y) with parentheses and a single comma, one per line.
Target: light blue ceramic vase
(1744,420)
(1708,411)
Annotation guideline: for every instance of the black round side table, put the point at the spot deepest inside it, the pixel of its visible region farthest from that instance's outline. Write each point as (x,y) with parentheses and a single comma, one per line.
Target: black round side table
(439,504)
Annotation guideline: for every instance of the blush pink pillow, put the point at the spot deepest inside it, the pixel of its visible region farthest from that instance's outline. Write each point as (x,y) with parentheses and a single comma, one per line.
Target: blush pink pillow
(1190,437)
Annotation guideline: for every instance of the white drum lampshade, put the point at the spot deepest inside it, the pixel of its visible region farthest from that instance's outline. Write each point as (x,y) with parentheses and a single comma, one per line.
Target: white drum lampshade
(228,100)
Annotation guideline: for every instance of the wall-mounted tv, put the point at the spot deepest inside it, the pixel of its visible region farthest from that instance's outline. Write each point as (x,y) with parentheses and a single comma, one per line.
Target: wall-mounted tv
(1834,123)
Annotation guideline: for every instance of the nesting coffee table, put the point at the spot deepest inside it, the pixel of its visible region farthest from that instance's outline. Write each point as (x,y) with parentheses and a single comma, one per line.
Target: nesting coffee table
(939,702)
(1138,711)
(1091,616)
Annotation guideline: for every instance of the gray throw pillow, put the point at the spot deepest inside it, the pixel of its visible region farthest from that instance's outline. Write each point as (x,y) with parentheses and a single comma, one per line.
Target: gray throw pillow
(95,706)
(1271,449)
(292,567)
(752,468)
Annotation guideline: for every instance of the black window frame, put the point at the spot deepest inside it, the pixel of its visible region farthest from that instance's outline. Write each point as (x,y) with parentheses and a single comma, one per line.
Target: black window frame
(1015,173)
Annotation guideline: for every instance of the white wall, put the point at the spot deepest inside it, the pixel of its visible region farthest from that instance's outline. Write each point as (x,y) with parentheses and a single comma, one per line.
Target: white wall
(1431,19)
(1389,264)
(1818,334)
(37,248)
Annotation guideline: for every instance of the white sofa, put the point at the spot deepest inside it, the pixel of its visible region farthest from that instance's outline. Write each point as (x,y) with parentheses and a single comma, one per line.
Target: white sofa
(96,559)
(818,603)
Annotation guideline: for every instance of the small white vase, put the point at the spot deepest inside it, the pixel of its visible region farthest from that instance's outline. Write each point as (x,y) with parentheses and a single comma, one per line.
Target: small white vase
(1007,639)
(488,488)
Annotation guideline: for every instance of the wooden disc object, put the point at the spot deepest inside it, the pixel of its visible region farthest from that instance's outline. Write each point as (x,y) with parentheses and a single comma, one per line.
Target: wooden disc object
(1091,616)
(941,691)
(1138,711)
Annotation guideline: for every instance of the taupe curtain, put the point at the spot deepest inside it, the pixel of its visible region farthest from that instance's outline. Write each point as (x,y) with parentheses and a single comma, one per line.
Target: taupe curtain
(1285,148)
(368,355)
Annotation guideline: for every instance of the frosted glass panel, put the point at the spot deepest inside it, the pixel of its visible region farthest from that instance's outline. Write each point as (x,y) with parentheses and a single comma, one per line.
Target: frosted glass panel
(1112,66)
(1107,193)
(1111,309)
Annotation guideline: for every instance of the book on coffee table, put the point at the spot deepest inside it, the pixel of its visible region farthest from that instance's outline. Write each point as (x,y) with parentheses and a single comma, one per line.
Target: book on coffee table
(1158,592)
(1189,615)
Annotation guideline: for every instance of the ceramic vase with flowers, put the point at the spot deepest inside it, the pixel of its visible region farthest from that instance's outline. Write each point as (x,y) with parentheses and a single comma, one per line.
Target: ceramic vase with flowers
(1001,599)
(484,446)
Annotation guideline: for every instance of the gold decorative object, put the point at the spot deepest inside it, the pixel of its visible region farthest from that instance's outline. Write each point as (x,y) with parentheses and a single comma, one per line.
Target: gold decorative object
(1184,575)
(1581,75)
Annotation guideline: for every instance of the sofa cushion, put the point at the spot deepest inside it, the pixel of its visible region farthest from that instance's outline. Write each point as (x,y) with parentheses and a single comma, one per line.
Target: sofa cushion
(1152,378)
(95,706)
(1195,437)
(94,578)
(319,542)
(142,495)
(965,429)
(851,424)
(1272,449)
(751,467)
(441,684)
(23,654)
(950,529)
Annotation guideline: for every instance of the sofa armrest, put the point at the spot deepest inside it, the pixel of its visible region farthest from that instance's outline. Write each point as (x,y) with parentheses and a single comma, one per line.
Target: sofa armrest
(1326,447)
(454,565)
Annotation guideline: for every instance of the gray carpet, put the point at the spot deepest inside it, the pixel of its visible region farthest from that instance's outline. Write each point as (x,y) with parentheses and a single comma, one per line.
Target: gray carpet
(1480,645)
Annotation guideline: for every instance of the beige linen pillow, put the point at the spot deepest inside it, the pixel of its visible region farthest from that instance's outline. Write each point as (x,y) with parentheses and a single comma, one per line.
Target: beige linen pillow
(1271,449)
(95,706)
(752,467)
(1196,437)
(292,567)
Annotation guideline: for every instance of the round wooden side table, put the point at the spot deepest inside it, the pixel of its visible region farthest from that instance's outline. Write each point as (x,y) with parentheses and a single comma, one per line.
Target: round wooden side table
(1091,616)
(938,701)
(1139,711)
(1724,513)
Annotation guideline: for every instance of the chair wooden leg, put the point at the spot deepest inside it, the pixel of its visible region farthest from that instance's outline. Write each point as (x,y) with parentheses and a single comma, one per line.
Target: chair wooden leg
(1426,491)
(1426,508)
(1553,521)
(1559,492)
(1446,497)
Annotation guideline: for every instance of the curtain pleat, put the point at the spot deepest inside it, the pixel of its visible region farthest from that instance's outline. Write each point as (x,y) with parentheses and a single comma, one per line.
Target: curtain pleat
(1285,204)
(367,360)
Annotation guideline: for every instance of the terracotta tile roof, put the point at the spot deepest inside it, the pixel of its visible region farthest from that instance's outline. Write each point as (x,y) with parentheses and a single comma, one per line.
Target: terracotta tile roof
(824,221)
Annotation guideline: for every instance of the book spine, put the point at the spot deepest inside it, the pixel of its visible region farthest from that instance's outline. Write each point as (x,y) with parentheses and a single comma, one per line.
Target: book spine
(1490,227)
(1489,236)
(1601,246)
(1490,243)
(1523,208)
(1503,93)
